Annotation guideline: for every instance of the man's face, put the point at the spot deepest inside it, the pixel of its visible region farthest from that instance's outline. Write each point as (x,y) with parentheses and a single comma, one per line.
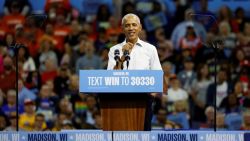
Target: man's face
(11,98)
(2,123)
(175,83)
(220,120)
(131,28)
(189,65)
(167,68)
(45,91)
(8,63)
(161,116)
(39,120)
(222,76)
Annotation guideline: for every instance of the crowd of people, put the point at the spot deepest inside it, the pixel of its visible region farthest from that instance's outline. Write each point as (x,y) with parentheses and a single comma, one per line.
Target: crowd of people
(193,51)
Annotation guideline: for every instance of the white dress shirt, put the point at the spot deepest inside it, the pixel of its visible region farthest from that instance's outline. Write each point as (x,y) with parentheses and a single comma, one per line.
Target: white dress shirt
(143,56)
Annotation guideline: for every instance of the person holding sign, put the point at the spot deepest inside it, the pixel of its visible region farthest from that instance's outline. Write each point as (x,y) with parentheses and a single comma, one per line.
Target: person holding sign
(135,54)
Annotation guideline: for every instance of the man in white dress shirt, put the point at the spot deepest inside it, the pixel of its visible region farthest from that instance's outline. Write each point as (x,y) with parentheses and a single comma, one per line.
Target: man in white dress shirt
(143,56)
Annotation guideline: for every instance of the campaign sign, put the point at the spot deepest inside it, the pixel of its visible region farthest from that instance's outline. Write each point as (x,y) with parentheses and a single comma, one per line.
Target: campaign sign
(197,136)
(74,135)
(132,136)
(88,135)
(98,135)
(122,81)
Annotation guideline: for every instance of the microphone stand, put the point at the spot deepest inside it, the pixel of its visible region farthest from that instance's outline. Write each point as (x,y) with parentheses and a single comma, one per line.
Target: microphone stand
(16,47)
(127,63)
(127,57)
(17,112)
(41,18)
(214,45)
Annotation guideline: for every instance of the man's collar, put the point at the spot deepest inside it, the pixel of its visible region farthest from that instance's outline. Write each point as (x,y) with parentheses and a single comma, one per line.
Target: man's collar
(138,43)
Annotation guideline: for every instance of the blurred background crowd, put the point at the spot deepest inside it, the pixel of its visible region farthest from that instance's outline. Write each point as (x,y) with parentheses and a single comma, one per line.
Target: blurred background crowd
(52,50)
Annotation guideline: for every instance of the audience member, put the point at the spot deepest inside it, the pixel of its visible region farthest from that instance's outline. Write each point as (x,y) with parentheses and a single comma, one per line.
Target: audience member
(27,119)
(222,90)
(203,10)
(8,77)
(225,15)
(3,122)
(160,119)
(39,122)
(24,93)
(240,17)
(209,123)
(180,29)
(13,124)
(23,7)
(187,75)
(228,37)
(13,16)
(176,92)
(190,40)
(10,105)
(198,92)
(246,121)
(89,60)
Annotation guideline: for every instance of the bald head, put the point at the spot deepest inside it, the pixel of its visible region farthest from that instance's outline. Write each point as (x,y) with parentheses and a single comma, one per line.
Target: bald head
(130,15)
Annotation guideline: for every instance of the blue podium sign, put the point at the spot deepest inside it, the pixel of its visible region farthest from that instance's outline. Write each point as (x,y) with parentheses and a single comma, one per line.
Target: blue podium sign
(121,81)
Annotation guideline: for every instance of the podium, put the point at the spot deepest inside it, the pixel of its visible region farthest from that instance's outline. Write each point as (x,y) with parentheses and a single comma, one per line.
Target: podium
(123,94)
(121,112)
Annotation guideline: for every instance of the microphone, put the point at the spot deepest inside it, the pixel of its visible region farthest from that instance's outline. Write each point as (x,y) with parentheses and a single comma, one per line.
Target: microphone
(127,57)
(117,56)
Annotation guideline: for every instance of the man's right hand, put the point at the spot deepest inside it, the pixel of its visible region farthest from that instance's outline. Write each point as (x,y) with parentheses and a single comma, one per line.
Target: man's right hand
(119,66)
(128,46)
